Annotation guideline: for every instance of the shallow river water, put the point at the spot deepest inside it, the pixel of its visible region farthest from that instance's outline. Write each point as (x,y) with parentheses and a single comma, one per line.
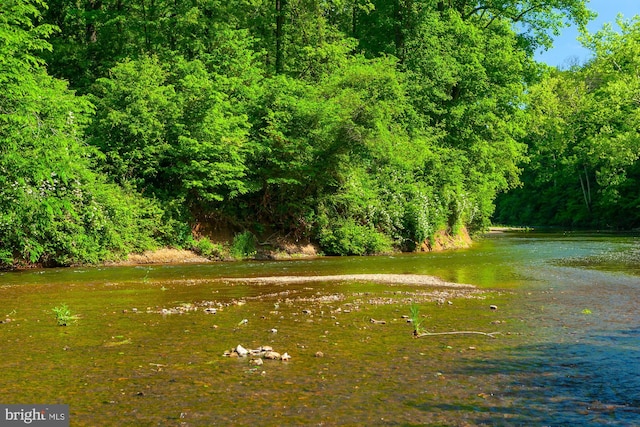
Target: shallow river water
(145,352)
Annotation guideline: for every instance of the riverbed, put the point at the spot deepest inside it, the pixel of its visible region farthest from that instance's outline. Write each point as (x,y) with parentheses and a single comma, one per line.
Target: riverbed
(147,347)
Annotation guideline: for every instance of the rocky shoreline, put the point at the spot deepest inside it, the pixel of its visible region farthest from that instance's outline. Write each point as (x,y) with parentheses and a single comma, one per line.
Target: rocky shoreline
(405,279)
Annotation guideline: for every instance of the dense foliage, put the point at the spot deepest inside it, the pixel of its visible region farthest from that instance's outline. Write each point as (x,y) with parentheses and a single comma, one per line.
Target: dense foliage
(53,208)
(584,140)
(363,125)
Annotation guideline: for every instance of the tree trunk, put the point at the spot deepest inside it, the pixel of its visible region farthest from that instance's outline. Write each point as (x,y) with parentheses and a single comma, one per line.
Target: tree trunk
(90,29)
(398,30)
(280,4)
(584,193)
(586,176)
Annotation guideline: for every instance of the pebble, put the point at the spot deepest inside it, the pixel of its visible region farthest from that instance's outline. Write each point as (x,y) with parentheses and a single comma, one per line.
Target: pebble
(319,354)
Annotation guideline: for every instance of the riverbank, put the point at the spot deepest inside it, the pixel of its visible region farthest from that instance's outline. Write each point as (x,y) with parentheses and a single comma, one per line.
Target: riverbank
(281,248)
(162,256)
(274,248)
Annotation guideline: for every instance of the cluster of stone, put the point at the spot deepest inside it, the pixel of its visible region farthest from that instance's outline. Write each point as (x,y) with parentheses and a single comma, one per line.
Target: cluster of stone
(256,355)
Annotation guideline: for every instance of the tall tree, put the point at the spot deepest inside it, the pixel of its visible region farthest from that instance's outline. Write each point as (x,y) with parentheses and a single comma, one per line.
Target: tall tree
(584,141)
(53,208)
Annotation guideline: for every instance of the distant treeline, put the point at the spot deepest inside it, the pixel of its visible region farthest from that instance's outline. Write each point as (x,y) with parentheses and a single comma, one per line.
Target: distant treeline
(361,125)
(583,140)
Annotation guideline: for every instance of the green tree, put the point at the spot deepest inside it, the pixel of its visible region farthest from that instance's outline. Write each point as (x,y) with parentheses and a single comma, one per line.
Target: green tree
(583,140)
(175,134)
(53,208)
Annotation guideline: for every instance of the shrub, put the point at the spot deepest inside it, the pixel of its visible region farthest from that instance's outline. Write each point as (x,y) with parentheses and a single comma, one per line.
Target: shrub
(206,248)
(243,245)
(64,316)
(348,238)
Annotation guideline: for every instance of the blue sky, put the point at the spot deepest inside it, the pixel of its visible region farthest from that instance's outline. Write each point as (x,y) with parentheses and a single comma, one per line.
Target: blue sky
(566,46)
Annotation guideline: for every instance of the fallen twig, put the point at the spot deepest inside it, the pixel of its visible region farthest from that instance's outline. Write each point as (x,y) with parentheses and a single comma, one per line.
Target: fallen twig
(427,334)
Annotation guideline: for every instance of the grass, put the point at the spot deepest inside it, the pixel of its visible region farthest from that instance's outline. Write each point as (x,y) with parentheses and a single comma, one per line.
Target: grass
(64,316)
(416,320)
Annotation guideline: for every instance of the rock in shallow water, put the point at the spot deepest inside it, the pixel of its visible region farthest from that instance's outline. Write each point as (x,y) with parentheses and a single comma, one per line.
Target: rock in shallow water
(264,352)
(242,352)
(272,355)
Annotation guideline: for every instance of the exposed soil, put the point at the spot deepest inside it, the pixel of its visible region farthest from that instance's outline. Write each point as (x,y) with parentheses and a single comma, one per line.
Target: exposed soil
(281,248)
(443,241)
(163,256)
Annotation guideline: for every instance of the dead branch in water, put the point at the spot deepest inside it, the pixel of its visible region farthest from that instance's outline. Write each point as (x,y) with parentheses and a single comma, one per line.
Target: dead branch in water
(428,334)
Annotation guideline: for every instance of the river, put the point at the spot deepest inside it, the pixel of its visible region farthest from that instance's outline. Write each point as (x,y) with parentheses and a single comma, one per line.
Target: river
(144,349)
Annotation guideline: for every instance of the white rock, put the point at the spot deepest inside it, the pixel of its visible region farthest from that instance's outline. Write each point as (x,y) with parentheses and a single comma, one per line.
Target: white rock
(242,352)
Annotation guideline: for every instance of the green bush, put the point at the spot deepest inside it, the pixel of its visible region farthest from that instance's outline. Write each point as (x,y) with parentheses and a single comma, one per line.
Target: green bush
(208,249)
(346,237)
(243,245)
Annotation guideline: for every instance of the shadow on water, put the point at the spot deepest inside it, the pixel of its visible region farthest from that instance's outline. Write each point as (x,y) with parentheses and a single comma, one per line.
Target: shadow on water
(592,381)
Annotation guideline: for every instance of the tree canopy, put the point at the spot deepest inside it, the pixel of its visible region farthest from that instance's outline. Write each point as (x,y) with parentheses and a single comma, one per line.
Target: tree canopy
(362,125)
(584,140)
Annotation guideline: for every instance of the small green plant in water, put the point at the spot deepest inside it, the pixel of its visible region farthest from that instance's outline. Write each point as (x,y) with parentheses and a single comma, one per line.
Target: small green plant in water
(64,316)
(145,279)
(416,320)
